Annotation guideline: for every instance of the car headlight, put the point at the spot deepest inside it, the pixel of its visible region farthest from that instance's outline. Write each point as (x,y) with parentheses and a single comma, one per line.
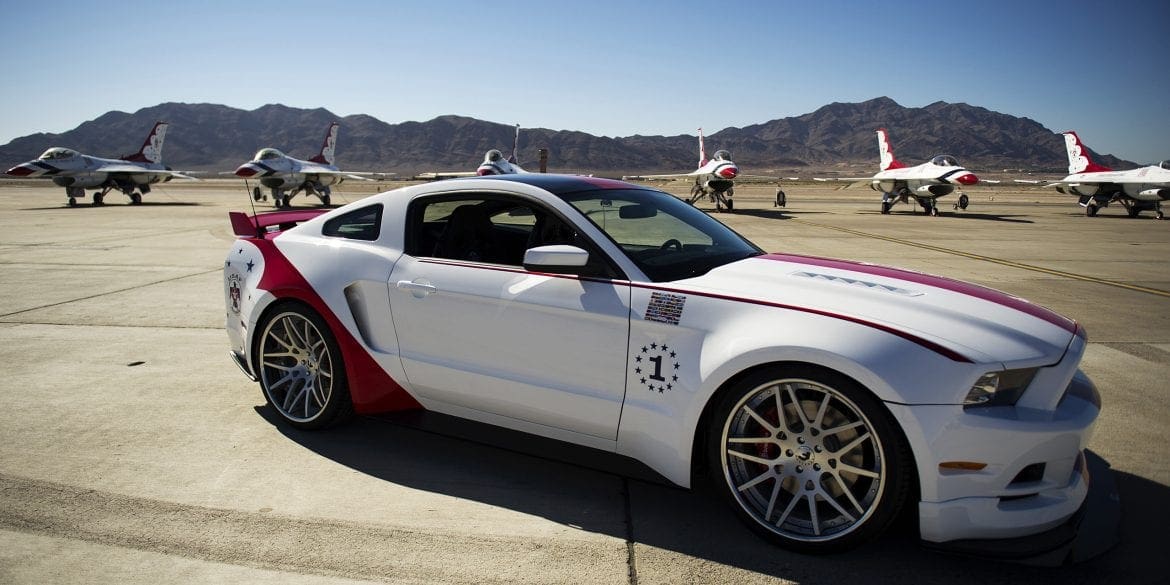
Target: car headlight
(1002,388)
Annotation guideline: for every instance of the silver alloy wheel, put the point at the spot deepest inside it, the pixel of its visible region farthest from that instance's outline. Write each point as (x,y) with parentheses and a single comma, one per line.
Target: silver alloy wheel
(296,368)
(803,460)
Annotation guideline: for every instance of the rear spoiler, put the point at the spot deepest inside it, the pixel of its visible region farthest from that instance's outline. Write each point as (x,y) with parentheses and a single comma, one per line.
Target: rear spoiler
(257,225)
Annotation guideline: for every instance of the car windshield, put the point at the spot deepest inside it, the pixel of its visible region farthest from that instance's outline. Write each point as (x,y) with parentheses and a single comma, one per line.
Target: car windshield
(665,237)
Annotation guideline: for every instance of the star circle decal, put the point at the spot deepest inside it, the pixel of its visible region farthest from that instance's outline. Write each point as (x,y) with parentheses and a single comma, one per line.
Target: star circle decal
(656,367)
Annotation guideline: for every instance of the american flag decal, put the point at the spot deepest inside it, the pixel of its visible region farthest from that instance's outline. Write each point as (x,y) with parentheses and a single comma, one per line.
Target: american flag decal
(665,308)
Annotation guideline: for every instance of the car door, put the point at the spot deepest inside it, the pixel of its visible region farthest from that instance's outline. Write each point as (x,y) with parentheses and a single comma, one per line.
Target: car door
(480,334)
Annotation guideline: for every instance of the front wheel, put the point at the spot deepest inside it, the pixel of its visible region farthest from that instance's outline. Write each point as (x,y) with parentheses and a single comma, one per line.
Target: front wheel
(808,458)
(301,370)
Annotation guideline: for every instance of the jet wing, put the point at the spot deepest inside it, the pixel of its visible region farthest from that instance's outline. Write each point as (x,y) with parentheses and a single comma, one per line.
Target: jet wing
(137,170)
(439,175)
(693,173)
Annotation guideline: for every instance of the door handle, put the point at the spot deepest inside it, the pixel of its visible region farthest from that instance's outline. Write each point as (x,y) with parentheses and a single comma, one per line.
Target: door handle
(418,289)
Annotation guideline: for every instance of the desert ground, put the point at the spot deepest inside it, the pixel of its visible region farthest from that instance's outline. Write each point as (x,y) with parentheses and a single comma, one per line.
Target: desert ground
(132,450)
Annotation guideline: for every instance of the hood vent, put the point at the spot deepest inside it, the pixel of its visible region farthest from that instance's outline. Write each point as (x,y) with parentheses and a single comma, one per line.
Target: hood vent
(858,283)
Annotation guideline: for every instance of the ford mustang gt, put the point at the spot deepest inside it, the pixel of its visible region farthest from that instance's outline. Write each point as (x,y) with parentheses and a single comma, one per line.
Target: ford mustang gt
(821,397)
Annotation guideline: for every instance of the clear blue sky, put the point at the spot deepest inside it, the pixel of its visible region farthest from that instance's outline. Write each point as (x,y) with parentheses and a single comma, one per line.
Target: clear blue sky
(602,67)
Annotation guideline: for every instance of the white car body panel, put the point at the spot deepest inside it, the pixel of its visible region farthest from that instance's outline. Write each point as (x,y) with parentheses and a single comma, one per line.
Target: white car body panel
(630,365)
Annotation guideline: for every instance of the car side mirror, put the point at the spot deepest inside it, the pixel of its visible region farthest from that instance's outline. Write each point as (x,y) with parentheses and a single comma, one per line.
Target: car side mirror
(556,259)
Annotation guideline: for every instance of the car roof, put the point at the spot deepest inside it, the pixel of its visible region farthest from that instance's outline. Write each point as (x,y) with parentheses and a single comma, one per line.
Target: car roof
(562,184)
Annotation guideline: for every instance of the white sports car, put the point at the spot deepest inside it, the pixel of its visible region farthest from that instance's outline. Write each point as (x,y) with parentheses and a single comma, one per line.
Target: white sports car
(820,396)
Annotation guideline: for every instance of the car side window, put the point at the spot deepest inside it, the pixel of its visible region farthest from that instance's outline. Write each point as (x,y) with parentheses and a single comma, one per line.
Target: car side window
(482,228)
(359,224)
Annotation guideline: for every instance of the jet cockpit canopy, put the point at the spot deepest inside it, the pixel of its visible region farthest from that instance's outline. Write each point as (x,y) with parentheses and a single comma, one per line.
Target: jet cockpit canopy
(494,155)
(58,153)
(268,154)
(722,155)
(944,160)
(1165,164)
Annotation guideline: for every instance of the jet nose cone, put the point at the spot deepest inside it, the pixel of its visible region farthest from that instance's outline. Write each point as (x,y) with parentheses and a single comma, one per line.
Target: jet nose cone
(967,179)
(22,170)
(485,171)
(247,170)
(728,172)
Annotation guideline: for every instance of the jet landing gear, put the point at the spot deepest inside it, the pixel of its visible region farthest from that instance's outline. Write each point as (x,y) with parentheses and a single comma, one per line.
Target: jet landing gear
(963,202)
(721,199)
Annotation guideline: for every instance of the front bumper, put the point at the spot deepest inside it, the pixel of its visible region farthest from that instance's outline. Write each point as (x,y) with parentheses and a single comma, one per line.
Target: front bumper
(1090,531)
(1001,472)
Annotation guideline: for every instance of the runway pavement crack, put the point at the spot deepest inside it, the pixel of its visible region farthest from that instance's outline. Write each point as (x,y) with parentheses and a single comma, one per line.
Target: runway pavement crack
(108,293)
(631,550)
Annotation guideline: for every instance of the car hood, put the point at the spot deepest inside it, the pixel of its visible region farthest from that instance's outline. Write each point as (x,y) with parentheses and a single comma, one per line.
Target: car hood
(975,322)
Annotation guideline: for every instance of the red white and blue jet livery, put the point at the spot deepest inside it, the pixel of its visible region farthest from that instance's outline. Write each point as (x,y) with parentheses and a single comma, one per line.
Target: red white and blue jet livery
(493,163)
(820,397)
(923,183)
(286,176)
(1097,186)
(713,179)
(132,174)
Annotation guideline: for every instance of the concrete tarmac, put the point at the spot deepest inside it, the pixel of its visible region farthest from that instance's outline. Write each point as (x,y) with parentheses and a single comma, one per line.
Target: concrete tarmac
(133,451)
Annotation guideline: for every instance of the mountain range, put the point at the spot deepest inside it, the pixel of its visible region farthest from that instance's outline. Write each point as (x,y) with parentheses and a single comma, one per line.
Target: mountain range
(211,137)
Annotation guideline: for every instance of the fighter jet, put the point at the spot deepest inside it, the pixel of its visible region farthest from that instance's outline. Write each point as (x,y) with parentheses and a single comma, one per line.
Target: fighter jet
(132,174)
(925,183)
(714,178)
(493,163)
(287,177)
(1097,186)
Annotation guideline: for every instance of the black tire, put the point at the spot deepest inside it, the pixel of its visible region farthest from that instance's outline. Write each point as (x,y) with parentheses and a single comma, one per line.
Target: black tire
(256,195)
(300,368)
(730,203)
(325,201)
(1091,210)
(797,485)
(964,201)
(99,199)
(285,202)
(135,199)
(781,199)
(1133,210)
(886,207)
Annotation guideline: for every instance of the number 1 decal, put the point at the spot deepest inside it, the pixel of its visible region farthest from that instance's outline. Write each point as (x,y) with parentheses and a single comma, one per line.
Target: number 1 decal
(661,360)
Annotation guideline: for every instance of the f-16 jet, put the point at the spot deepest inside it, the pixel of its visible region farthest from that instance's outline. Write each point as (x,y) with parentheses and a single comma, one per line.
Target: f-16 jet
(714,178)
(923,183)
(287,177)
(493,163)
(132,174)
(1097,186)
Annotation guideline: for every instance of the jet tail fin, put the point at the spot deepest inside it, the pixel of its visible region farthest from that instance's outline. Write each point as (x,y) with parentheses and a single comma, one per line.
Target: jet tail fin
(702,149)
(151,150)
(1079,160)
(328,146)
(515,146)
(888,161)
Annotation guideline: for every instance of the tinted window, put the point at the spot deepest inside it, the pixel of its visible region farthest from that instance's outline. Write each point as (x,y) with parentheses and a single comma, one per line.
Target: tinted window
(359,224)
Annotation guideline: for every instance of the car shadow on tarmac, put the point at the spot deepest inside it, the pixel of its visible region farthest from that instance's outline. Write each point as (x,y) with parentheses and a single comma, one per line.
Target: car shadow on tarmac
(580,487)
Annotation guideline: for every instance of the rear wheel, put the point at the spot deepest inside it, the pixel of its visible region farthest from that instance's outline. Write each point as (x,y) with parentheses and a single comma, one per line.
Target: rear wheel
(808,458)
(301,370)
